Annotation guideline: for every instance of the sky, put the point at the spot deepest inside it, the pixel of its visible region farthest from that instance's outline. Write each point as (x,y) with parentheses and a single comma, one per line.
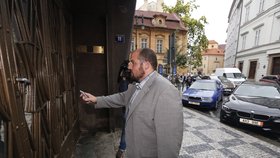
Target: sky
(216,13)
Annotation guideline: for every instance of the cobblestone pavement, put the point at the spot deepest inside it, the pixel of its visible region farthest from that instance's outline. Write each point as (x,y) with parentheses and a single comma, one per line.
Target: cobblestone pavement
(203,137)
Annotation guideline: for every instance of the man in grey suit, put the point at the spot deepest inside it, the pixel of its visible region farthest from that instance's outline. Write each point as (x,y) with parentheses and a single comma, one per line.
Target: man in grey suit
(154,116)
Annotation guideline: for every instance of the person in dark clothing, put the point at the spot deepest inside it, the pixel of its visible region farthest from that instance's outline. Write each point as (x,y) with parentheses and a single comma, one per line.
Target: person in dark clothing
(184,79)
(124,76)
(189,81)
(123,81)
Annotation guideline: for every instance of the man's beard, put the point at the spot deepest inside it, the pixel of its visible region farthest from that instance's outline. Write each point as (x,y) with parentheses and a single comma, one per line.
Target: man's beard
(141,73)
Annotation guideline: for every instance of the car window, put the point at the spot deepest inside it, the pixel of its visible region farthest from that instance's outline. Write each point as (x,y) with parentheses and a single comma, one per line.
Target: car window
(258,91)
(204,85)
(229,75)
(232,75)
(237,75)
(223,79)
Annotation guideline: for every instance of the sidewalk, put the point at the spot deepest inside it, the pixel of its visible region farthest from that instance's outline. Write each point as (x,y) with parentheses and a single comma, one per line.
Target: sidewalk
(100,145)
(203,137)
(206,137)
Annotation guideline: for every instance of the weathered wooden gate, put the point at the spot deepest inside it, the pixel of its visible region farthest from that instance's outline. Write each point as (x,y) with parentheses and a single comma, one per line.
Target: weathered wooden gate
(38,108)
(41,71)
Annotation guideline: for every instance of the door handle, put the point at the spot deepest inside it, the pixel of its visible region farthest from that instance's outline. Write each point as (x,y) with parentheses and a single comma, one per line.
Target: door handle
(23,81)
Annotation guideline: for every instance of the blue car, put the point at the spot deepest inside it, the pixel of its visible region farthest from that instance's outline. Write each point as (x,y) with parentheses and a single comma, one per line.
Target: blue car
(204,93)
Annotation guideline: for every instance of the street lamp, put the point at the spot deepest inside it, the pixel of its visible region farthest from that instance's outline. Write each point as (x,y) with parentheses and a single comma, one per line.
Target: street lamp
(172,61)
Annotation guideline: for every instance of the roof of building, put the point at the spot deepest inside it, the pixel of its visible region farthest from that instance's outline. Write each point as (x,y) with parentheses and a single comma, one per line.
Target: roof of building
(222,46)
(145,18)
(213,51)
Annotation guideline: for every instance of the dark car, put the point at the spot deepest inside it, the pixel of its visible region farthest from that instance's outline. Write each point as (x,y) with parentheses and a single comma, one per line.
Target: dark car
(227,85)
(271,78)
(204,93)
(254,104)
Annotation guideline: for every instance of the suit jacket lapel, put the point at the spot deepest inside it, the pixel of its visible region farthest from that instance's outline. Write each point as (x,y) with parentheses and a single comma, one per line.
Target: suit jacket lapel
(140,95)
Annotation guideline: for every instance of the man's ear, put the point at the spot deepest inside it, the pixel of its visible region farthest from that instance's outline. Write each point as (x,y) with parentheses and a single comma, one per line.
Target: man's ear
(146,65)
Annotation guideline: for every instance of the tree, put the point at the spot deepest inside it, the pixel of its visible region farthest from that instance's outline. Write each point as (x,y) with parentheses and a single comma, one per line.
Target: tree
(197,40)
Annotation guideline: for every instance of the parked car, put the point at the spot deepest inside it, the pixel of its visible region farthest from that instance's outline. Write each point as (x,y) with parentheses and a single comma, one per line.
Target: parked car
(271,78)
(254,104)
(270,81)
(204,93)
(228,86)
(232,74)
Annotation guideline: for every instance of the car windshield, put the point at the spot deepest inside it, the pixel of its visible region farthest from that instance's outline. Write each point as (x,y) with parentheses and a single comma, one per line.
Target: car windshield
(257,91)
(233,75)
(223,79)
(204,86)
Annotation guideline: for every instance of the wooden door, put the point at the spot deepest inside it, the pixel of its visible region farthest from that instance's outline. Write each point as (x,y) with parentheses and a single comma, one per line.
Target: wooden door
(252,70)
(276,66)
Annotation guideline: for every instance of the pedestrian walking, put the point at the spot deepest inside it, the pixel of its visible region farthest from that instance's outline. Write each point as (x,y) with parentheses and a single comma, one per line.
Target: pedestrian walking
(184,78)
(189,81)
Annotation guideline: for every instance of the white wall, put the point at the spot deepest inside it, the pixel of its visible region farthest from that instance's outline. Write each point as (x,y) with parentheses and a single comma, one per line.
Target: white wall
(232,33)
(268,21)
(262,60)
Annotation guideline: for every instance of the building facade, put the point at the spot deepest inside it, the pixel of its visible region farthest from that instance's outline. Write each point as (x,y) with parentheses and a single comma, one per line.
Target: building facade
(232,33)
(258,42)
(212,58)
(152,6)
(153,30)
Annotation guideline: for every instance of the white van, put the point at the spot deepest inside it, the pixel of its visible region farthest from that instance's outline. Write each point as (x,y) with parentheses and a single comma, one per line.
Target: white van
(232,74)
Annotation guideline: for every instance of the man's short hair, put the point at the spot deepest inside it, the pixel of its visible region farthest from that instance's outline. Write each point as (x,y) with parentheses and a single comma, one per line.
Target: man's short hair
(147,54)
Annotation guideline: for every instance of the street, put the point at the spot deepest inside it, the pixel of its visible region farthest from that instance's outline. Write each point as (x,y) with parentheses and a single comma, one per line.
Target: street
(260,134)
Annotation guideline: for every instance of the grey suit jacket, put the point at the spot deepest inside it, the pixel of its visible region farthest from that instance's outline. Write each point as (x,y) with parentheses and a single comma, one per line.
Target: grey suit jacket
(154,124)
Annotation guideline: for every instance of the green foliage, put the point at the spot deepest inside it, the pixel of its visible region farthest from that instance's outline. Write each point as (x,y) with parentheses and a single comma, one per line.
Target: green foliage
(197,40)
(181,60)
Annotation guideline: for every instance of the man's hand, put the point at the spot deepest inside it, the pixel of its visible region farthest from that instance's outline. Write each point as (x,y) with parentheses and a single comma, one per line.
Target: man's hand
(88,98)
